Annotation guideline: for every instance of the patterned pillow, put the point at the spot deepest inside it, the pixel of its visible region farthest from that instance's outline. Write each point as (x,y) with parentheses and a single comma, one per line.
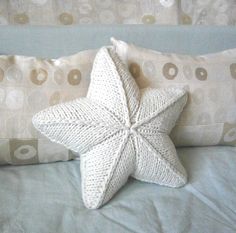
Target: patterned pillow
(27,85)
(210,115)
(55,12)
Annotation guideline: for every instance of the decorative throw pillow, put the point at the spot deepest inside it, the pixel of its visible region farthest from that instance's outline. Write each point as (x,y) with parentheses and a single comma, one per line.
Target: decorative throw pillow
(210,115)
(27,85)
(118,130)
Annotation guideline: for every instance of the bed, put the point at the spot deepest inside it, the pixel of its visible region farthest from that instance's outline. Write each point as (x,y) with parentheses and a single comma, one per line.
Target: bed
(47,197)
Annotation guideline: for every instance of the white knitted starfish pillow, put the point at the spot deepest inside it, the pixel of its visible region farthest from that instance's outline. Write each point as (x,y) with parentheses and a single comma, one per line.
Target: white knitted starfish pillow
(119,131)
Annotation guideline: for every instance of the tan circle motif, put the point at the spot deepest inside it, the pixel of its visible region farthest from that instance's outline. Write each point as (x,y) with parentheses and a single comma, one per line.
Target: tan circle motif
(74,77)
(186,19)
(167,3)
(135,70)
(25,152)
(21,18)
(233,70)
(170,71)
(85,8)
(55,98)
(201,74)
(38,76)
(14,74)
(148,19)
(1,74)
(149,69)
(66,18)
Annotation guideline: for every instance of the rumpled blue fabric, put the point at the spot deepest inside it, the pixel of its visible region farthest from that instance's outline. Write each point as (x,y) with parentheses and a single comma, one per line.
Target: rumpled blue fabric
(47,198)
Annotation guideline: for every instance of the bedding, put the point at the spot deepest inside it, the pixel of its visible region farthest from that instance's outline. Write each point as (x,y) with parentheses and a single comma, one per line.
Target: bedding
(209,117)
(27,85)
(47,198)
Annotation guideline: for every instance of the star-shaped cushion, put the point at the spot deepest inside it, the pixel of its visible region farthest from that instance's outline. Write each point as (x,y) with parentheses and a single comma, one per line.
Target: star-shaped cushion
(119,131)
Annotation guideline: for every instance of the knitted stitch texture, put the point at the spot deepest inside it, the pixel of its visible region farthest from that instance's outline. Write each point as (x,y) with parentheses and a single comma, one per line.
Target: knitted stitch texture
(119,131)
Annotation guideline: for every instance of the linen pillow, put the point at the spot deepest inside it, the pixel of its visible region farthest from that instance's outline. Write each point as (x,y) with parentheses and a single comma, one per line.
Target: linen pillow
(27,85)
(118,130)
(210,115)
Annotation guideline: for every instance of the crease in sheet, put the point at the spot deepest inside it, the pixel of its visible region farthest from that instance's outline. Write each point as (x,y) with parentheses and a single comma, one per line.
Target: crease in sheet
(212,205)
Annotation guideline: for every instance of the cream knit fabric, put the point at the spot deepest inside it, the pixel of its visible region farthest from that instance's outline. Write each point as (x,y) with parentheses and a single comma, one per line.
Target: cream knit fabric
(119,130)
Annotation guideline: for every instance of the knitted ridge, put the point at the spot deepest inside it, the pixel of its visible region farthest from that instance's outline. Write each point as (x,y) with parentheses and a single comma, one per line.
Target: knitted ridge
(119,131)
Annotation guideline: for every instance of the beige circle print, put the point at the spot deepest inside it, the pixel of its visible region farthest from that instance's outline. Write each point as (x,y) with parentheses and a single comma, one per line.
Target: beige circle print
(85,9)
(135,70)
(167,3)
(170,71)
(201,74)
(38,76)
(66,18)
(149,69)
(233,70)
(186,19)
(14,74)
(74,77)
(148,19)
(25,152)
